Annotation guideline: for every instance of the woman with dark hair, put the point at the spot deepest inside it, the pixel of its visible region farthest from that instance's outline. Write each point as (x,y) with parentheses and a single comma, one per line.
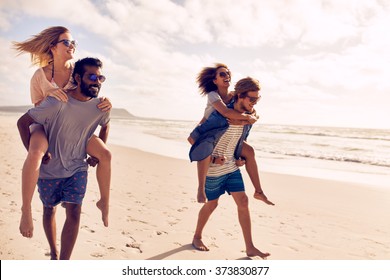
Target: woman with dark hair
(214,82)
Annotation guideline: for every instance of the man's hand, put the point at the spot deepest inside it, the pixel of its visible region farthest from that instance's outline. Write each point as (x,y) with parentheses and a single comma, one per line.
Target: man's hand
(92,161)
(240,161)
(46,158)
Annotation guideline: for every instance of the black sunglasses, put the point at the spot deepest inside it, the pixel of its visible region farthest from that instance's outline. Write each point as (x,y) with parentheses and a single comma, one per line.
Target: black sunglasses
(94,78)
(224,74)
(67,42)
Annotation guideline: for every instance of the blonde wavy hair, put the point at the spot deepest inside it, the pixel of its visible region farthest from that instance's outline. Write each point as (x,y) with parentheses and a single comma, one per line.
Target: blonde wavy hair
(39,46)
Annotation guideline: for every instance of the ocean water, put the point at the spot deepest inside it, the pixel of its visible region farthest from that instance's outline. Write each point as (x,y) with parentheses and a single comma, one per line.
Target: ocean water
(346,154)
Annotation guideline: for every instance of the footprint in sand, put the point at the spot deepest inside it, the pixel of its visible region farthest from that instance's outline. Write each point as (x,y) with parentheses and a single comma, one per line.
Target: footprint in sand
(87,229)
(182,209)
(135,246)
(97,255)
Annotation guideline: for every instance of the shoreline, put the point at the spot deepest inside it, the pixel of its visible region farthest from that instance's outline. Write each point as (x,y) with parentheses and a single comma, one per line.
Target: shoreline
(153,214)
(312,168)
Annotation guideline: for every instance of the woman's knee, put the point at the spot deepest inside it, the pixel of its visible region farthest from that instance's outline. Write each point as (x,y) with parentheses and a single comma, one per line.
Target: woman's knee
(248,151)
(35,155)
(98,149)
(105,156)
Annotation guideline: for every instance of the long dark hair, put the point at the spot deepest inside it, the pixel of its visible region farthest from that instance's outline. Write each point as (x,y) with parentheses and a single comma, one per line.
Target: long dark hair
(206,78)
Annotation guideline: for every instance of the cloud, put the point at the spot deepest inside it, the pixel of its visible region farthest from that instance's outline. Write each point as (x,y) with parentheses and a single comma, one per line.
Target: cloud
(316,54)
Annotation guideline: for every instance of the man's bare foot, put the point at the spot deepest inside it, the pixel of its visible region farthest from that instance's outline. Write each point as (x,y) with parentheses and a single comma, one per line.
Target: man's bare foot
(26,226)
(261,196)
(198,244)
(201,196)
(53,256)
(219,160)
(104,208)
(254,252)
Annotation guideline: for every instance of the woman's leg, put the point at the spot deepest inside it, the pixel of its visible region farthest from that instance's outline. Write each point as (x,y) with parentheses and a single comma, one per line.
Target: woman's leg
(30,173)
(98,149)
(251,167)
(203,167)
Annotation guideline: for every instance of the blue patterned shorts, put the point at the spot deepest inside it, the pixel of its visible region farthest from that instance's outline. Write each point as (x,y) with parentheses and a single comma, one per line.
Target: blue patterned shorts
(55,191)
(231,182)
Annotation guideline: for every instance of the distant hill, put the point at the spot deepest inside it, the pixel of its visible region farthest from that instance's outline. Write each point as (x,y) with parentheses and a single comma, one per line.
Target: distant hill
(116,113)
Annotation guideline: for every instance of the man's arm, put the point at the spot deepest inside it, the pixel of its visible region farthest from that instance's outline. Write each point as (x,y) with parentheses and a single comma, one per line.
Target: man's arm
(23,124)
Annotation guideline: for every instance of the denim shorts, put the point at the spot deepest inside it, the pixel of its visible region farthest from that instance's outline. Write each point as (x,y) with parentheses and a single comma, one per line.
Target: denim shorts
(217,186)
(55,191)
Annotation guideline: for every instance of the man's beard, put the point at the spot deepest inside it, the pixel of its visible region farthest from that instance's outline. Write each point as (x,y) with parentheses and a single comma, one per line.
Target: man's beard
(90,90)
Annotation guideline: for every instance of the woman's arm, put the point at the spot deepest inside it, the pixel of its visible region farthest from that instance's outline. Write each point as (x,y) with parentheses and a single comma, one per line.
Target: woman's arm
(233,114)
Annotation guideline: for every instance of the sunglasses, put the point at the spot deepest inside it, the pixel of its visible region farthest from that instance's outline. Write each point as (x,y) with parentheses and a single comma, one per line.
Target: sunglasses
(94,78)
(253,99)
(67,42)
(224,74)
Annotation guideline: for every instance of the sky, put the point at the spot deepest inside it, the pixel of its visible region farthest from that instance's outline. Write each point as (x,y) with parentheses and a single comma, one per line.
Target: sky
(319,63)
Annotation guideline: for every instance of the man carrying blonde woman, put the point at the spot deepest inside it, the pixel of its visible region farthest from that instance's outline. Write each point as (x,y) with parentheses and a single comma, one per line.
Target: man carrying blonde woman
(53,51)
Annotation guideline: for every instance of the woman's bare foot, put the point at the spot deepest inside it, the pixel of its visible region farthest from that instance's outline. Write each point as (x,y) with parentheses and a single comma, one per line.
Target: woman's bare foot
(261,196)
(254,252)
(26,226)
(198,244)
(201,196)
(104,208)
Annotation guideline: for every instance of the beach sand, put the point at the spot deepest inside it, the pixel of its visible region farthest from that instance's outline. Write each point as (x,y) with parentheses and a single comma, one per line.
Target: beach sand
(153,214)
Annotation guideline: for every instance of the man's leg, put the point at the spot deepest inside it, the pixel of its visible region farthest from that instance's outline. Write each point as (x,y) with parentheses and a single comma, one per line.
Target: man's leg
(49,226)
(203,216)
(241,200)
(70,230)
(99,150)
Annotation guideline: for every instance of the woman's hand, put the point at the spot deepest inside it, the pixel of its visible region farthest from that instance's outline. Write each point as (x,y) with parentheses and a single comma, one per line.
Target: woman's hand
(58,94)
(252,119)
(105,104)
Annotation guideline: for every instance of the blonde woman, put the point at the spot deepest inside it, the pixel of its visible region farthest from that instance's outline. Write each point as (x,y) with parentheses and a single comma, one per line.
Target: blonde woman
(53,50)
